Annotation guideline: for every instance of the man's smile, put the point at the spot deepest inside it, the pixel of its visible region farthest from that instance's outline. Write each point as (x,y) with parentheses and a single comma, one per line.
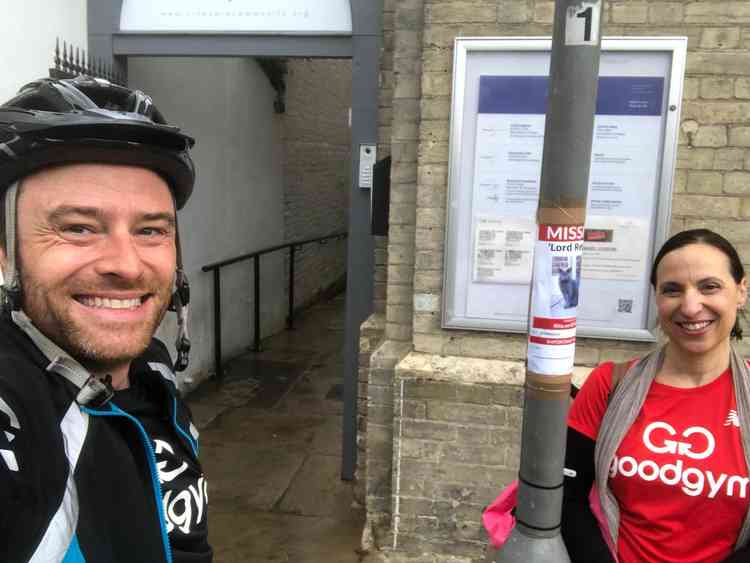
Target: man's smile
(97,302)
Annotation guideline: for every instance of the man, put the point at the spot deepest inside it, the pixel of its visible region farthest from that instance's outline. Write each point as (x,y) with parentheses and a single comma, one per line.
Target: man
(98,457)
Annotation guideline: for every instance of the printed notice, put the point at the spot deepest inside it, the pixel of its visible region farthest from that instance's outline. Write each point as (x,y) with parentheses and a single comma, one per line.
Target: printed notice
(617,304)
(503,250)
(609,266)
(554,306)
(510,141)
(615,248)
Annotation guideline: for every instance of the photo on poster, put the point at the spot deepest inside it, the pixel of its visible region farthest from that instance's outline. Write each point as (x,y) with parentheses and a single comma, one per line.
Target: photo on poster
(566,272)
(557,267)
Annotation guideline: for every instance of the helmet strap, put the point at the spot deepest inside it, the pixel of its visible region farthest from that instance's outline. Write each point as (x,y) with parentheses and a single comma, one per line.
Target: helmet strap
(179,304)
(11,289)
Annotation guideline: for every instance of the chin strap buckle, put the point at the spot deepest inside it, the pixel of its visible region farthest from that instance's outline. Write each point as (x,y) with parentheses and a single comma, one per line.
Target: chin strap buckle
(96,392)
(181,295)
(183,354)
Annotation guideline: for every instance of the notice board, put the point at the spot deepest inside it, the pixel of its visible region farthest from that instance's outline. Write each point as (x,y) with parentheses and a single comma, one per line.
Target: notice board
(499,101)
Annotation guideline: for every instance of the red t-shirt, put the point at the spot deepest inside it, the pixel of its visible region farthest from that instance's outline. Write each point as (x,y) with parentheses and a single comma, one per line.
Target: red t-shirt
(679,476)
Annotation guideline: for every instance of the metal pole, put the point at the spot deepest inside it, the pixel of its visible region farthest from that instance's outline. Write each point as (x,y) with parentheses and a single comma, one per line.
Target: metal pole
(217,324)
(360,269)
(290,318)
(574,71)
(256,289)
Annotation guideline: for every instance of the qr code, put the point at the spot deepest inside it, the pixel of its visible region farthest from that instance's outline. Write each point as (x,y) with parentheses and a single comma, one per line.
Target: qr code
(624,305)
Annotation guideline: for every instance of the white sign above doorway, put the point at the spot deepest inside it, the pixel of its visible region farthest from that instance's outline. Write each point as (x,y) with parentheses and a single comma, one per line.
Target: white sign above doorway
(278,17)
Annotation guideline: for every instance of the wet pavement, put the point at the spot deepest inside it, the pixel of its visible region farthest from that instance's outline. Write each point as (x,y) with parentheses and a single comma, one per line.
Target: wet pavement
(271,449)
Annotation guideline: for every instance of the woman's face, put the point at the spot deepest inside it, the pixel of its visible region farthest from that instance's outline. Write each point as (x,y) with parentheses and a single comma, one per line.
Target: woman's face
(697,298)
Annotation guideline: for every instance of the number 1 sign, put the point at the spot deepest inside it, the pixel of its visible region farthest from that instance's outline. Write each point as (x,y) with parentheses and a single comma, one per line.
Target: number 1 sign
(582,23)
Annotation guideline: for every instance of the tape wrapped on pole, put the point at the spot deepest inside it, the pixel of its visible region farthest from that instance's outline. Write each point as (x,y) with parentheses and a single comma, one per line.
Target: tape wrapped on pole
(547,387)
(574,215)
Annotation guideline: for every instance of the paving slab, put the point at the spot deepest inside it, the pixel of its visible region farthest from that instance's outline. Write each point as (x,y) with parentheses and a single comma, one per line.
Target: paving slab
(311,403)
(252,537)
(309,338)
(254,477)
(254,428)
(205,413)
(272,455)
(302,357)
(327,437)
(317,490)
(310,394)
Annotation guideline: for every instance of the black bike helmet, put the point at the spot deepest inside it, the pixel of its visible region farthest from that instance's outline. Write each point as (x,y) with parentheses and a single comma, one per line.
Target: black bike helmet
(86,119)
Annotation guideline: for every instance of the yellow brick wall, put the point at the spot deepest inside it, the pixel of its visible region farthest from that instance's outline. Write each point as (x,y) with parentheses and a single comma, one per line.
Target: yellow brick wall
(711,183)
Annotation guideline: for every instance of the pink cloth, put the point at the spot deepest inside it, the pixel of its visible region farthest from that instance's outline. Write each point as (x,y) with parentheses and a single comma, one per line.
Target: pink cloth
(499,522)
(497,519)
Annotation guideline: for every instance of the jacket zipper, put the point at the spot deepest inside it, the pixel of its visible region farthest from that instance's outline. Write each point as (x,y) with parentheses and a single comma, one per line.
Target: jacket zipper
(116,411)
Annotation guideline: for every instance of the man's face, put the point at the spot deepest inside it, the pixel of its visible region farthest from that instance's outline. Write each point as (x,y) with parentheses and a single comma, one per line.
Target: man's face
(97,258)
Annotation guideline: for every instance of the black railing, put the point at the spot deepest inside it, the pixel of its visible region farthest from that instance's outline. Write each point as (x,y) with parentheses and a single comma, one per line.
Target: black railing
(255,256)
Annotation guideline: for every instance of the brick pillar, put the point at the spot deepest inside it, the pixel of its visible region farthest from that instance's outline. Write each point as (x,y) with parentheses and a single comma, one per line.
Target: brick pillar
(407,65)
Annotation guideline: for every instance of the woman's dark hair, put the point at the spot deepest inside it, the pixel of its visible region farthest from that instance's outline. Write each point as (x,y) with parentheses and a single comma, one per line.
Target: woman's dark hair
(705,236)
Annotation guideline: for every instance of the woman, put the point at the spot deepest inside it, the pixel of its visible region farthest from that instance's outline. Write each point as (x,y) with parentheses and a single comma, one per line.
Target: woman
(668,447)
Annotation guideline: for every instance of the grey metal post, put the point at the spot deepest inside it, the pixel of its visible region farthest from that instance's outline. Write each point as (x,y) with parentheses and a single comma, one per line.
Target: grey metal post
(574,71)
(104,20)
(367,21)
(361,262)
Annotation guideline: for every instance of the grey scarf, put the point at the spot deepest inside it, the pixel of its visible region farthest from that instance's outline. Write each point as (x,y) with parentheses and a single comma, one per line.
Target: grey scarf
(625,404)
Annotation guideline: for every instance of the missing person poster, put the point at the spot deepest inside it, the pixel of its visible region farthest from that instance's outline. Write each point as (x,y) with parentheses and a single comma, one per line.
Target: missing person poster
(557,278)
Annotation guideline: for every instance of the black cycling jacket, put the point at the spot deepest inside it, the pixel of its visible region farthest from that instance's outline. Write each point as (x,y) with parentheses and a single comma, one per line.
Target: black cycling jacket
(80,484)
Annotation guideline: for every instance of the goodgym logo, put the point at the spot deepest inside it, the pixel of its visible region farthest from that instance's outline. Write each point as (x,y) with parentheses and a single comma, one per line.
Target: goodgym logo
(694,443)
(657,438)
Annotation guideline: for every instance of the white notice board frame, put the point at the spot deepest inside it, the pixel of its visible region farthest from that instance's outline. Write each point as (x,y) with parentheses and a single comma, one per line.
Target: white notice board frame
(481,293)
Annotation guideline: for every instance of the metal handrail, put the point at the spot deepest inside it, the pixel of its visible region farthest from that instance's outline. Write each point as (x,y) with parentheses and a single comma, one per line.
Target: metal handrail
(255,256)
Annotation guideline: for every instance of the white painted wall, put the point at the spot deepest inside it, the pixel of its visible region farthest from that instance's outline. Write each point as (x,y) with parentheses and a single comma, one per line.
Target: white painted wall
(317,168)
(27,38)
(237,206)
